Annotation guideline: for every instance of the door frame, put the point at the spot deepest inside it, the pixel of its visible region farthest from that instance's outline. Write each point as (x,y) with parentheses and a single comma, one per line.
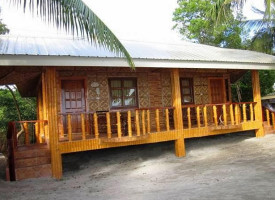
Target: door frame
(74,78)
(223,87)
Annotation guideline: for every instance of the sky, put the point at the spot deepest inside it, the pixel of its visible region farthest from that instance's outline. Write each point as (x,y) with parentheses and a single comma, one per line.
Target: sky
(140,20)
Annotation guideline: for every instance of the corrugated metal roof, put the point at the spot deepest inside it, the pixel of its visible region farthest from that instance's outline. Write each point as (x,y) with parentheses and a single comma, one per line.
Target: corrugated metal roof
(180,51)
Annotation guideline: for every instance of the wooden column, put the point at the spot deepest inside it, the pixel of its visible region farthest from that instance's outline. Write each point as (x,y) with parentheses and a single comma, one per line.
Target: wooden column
(176,98)
(51,106)
(257,99)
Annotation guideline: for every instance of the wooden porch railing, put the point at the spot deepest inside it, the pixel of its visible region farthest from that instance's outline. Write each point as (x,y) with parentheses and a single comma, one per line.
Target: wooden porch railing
(29,134)
(217,115)
(115,124)
(269,116)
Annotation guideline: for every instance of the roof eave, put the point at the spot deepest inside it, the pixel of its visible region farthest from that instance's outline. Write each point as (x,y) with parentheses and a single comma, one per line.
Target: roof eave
(35,60)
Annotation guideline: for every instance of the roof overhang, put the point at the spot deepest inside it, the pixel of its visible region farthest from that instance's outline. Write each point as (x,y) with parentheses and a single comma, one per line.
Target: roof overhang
(36,60)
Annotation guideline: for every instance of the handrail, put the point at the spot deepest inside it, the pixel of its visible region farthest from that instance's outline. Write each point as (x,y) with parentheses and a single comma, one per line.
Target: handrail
(114,111)
(218,104)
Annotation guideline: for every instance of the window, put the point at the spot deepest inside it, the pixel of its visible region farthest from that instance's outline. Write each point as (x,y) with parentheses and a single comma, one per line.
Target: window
(123,92)
(187,94)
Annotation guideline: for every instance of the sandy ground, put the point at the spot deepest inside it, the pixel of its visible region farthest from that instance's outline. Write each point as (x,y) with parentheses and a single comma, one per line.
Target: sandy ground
(235,166)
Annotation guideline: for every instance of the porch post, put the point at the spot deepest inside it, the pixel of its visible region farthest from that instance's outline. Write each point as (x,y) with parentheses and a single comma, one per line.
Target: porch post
(51,107)
(257,98)
(176,98)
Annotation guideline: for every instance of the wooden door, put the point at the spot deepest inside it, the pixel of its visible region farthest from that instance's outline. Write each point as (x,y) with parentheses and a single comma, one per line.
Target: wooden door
(217,92)
(73,101)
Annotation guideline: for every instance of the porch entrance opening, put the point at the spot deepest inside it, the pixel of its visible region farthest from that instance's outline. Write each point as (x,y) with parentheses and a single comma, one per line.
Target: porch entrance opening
(73,101)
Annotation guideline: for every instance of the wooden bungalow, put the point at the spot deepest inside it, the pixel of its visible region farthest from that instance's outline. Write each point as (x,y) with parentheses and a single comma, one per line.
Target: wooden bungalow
(90,99)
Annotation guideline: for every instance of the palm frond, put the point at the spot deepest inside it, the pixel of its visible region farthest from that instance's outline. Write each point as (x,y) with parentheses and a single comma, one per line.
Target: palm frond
(76,17)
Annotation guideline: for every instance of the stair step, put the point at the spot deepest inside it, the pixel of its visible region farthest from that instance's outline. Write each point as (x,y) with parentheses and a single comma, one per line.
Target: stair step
(30,153)
(33,172)
(26,162)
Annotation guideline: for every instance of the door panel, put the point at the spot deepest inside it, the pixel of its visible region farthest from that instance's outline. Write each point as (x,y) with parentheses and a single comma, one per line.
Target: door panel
(73,101)
(217,91)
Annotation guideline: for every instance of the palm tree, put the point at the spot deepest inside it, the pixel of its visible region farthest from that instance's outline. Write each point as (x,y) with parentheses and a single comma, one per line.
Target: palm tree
(76,17)
(263,39)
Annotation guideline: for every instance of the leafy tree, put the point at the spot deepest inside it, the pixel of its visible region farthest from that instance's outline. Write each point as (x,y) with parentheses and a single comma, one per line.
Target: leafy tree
(194,22)
(8,111)
(3,27)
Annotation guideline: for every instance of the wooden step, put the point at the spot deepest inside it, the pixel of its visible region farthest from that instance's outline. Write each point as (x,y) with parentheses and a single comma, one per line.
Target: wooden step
(32,161)
(33,171)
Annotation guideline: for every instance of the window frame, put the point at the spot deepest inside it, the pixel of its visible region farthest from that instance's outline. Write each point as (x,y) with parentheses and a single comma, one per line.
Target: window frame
(191,87)
(122,88)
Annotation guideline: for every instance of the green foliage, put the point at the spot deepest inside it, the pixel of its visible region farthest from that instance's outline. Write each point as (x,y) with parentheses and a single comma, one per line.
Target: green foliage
(267,78)
(194,22)
(8,111)
(3,27)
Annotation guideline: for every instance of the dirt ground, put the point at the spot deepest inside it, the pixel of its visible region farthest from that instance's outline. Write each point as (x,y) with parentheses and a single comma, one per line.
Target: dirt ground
(234,166)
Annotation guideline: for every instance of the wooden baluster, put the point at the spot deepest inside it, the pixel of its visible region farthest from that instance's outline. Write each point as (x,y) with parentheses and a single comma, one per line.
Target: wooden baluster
(267,117)
(27,134)
(157,120)
(61,127)
(69,120)
(205,116)
(215,115)
(224,114)
(167,119)
(109,131)
(148,122)
(231,114)
(37,136)
(273,120)
(143,123)
(129,123)
(119,133)
(236,114)
(189,117)
(96,126)
(244,113)
(251,112)
(198,116)
(137,123)
(83,128)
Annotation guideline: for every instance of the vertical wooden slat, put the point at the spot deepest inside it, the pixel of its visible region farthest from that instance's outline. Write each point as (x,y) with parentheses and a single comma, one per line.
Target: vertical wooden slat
(198,116)
(251,112)
(244,113)
(167,119)
(129,123)
(83,127)
(231,114)
(267,117)
(119,133)
(239,114)
(257,99)
(143,122)
(148,122)
(137,123)
(27,134)
(273,120)
(215,115)
(205,116)
(96,126)
(189,117)
(37,128)
(69,120)
(236,114)
(224,114)
(109,131)
(157,121)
